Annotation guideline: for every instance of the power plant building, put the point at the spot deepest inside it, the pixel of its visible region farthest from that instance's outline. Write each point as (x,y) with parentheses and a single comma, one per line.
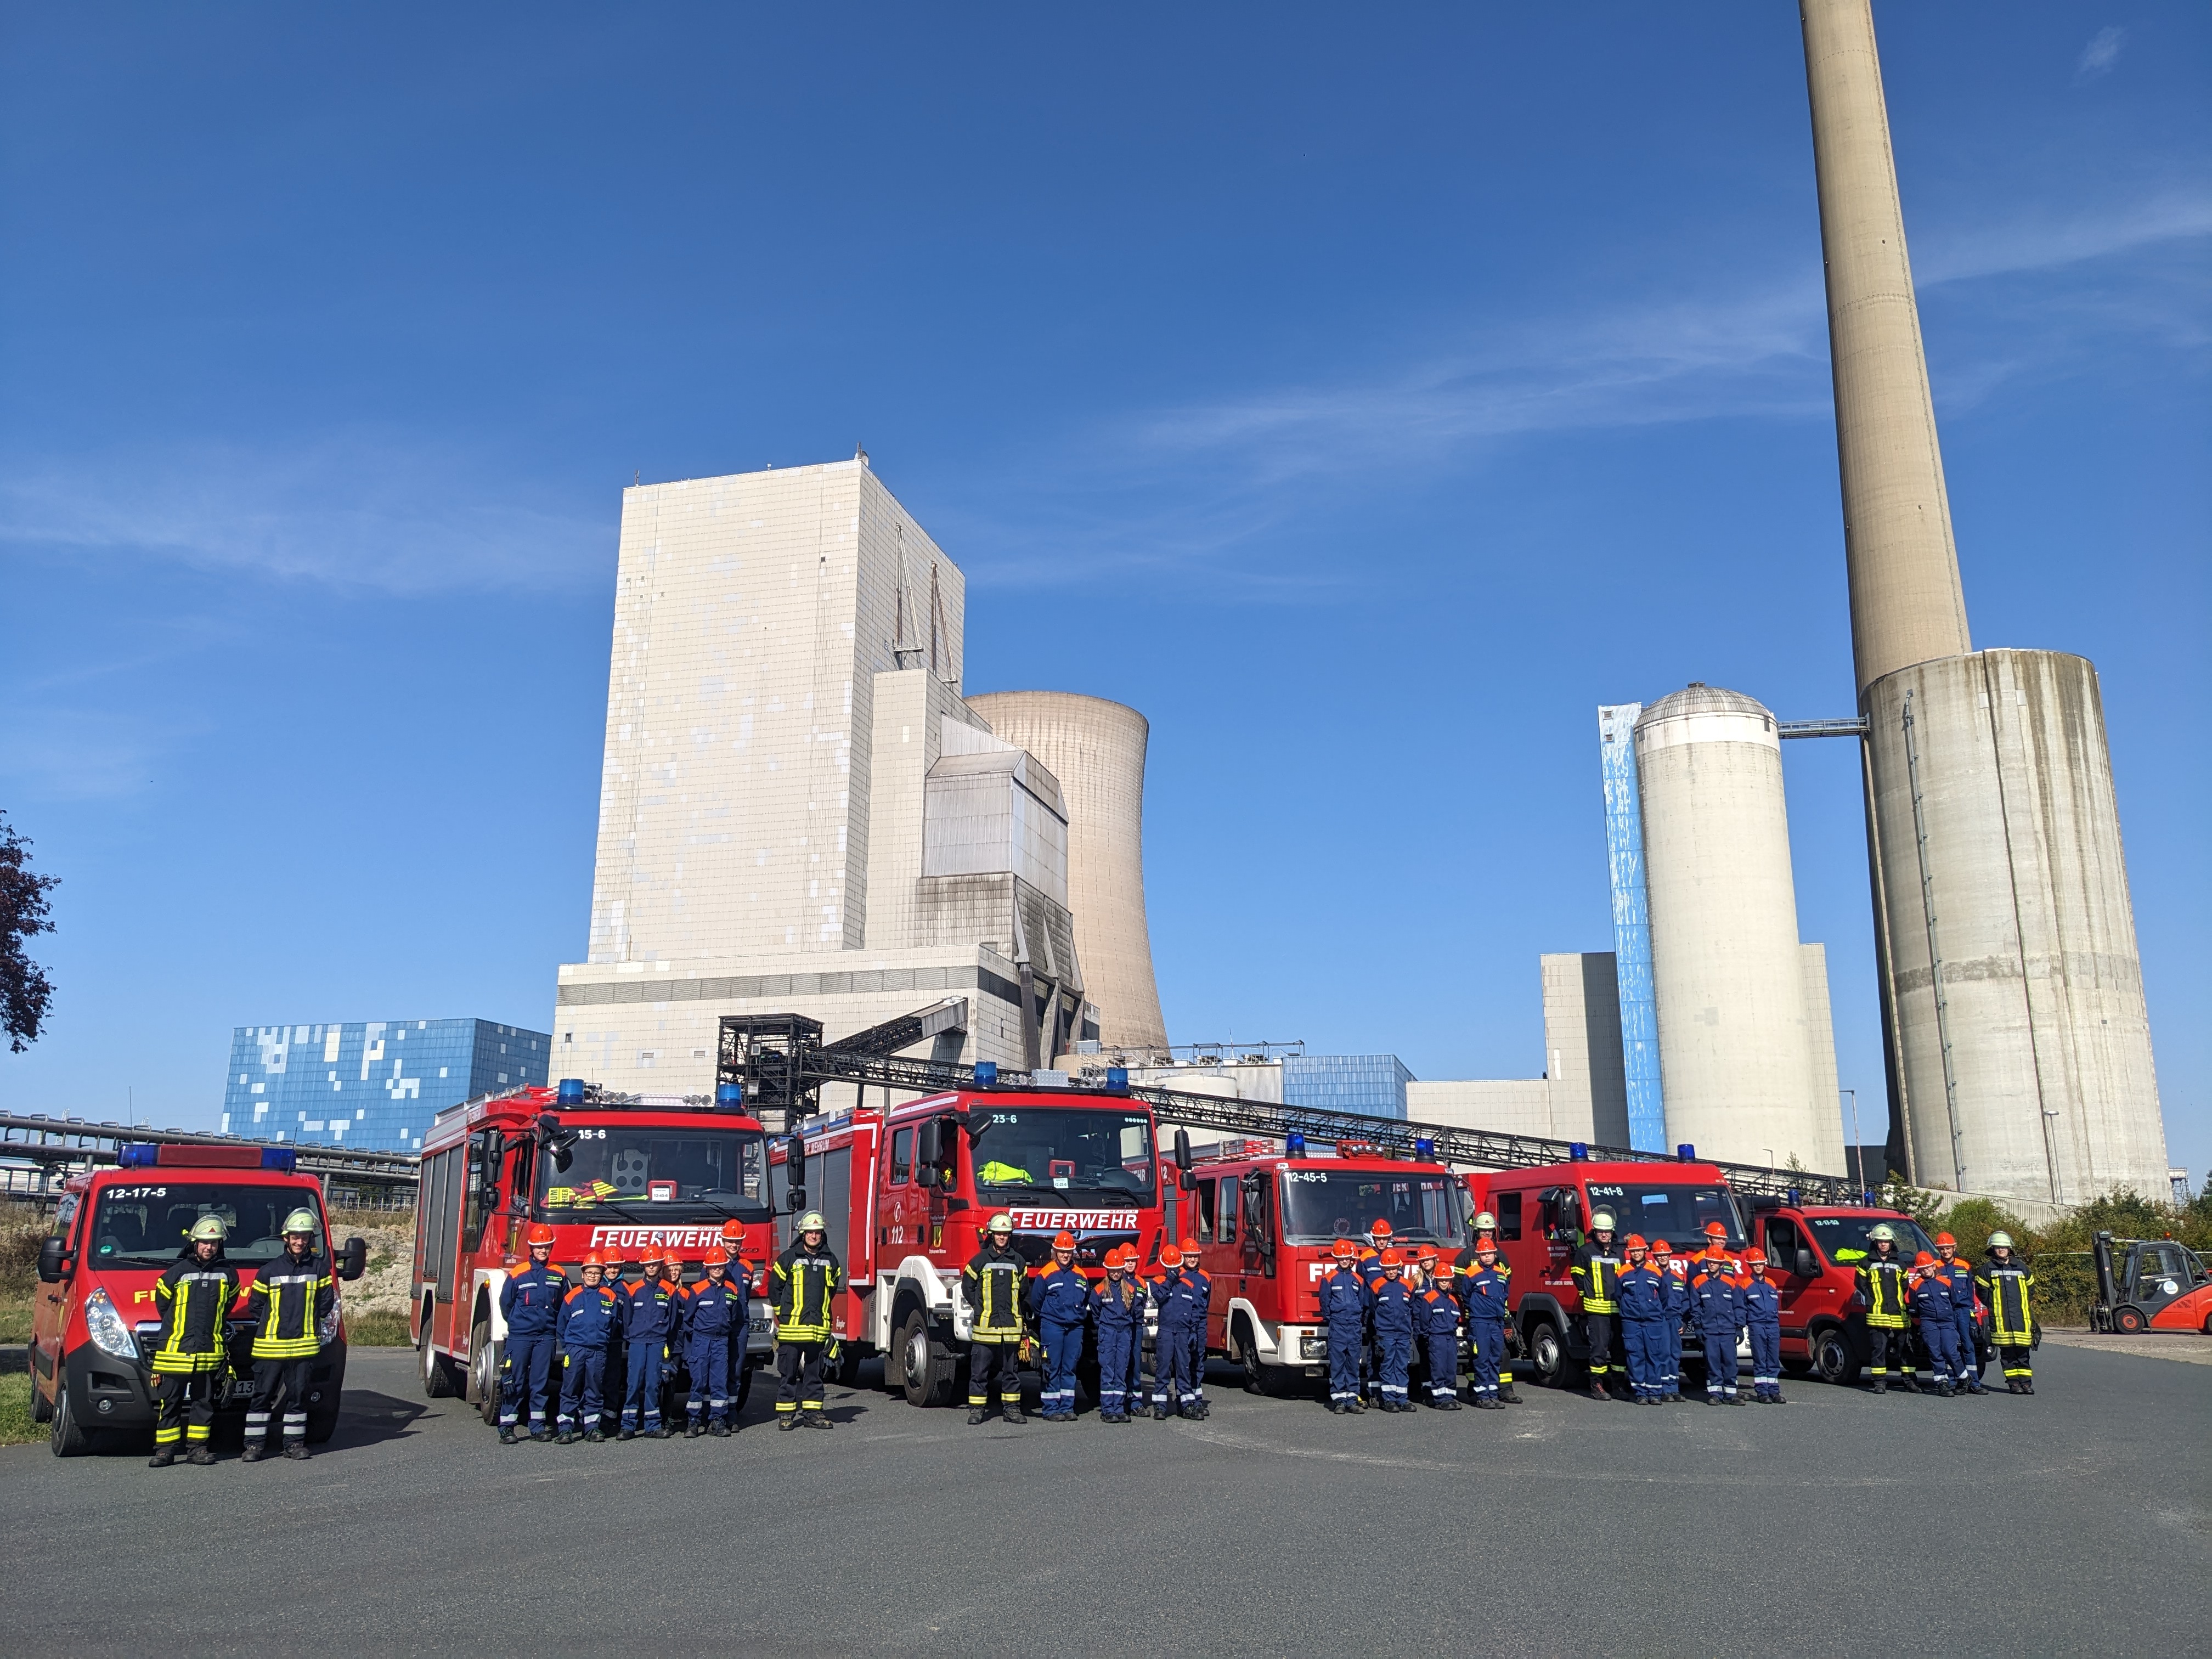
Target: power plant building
(2017,1029)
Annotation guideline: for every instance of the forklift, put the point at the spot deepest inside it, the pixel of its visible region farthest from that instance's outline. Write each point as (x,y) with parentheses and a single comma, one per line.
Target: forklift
(2153,1285)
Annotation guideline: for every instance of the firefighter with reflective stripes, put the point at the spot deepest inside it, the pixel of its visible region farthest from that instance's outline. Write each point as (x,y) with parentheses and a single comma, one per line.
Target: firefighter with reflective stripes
(992,1284)
(1596,1270)
(1931,1301)
(709,1305)
(1717,1297)
(1648,1322)
(1344,1299)
(530,1307)
(590,1314)
(1439,1315)
(803,1288)
(1762,1318)
(1483,1291)
(1882,1285)
(1485,1229)
(1392,1312)
(650,1309)
(193,1299)
(2005,1282)
(1117,1306)
(1958,1276)
(741,1275)
(288,1299)
(1677,1271)
(1060,1301)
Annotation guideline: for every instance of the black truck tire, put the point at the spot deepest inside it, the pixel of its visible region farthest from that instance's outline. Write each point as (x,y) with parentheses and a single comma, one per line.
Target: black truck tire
(437,1371)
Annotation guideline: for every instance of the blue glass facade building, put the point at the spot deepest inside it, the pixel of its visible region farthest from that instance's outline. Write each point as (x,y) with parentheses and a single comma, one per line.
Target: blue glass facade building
(1631,926)
(375,1084)
(1373,1084)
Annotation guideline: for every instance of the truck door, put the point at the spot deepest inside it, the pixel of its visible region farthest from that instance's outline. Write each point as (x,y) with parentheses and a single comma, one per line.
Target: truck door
(830,1185)
(1782,1240)
(2161,1276)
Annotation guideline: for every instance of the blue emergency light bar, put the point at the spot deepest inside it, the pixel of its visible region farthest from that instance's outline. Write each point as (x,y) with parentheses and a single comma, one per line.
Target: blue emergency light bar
(1425,1148)
(286,1158)
(1687,1152)
(986,1073)
(148,1154)
(729,1096)
(1294,1145)
(1578,1151)
(1117,1077)
(572,1092)
(138,1155)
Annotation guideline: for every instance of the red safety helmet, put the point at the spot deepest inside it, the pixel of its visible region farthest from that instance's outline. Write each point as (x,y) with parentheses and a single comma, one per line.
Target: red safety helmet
(1171,1256)
(1636,1242)
(1063,1241)
(540,1237)
(652,1254)
(1661,1246)
(1946,1239)
(733,1232)
(1714,1230)
(1924,1259)
(594,1260)
(1344,1251)
(1380,1229)
(716,1256)
(1392,1259)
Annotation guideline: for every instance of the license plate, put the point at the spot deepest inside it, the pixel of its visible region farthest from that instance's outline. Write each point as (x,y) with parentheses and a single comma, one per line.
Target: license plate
(241,1390)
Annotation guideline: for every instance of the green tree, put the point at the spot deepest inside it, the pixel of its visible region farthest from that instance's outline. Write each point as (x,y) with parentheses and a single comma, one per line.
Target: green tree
(26,992)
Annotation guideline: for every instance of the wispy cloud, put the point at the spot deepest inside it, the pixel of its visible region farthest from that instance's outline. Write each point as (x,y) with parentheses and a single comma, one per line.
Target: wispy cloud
(61,754)
(2101,53)
(351,511)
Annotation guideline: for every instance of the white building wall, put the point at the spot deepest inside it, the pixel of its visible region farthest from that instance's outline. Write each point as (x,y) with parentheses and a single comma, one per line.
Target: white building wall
(1511,1106)
(1582,1046)
(1821,1048)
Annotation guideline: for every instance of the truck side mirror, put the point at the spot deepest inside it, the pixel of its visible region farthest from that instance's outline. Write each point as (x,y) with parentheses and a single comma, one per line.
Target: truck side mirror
(1183,1154)
(1807,1266)
(929,1144)
(794,1162)
(353,1260)
(51,1256)
(1187,1181)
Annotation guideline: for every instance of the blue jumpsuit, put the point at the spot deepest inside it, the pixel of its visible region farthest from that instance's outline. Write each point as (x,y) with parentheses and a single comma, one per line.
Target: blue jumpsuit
(1119,1311)
(1719,1314)
(530,1303)
(1648,1324)
(1762,1317)
(1931,1300)
(648,1315)
(1344,1304)
(1962,1278)
(1060,1301)
(588,1317)
(1181,1301)
(1678,1311)
(1438,1313)
(711,1311)
(1394,1339)
(1197,1337)
(1483,1290)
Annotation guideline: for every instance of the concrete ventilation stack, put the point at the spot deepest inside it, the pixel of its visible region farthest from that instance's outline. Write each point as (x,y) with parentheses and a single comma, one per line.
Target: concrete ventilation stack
(1737,1052)
(2017,1033)
(1097,750)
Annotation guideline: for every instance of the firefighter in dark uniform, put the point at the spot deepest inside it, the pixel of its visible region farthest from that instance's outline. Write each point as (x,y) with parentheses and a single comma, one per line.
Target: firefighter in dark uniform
(1597,1273)
(193,1299)
(649,1312)
(589,1317)
(2004,1282)
(709,1306)
(1117,1310)
(1888,1298)
(803,1286)
(1958,1275)
(1717,1298)
(288,1300)
(1648,1323)
(1060,1301)
(1485,1232)
(1437,1314)
(1179,1343)
(992,1284)
(529,1305)
(741,1275)
(1344,1299)
(1484,1288)
(1762,1318)
(1392,1311)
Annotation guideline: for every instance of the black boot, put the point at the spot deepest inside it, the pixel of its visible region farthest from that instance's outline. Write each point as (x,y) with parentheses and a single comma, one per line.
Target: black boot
(786,1421)
(162,1457)
(566,1438)
(297,1450)
(818,1420)
(595,1435)
(1598,1390)
(1159,1414)
(254,1452)
(627,1434)
(202,1454)
(1908,1385)
(1011,1414)
(1506,1395)
(506,1434)
(2028,1385)
(975,1416)
(694,1428)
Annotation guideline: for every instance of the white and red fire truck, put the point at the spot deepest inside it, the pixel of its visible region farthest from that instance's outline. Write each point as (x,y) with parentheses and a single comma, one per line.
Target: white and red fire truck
(1266,1229)
(610,1173)
(907,1192)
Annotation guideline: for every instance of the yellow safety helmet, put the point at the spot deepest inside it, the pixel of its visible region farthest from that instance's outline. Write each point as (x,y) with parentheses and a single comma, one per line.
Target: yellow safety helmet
(1000,1223)
(1601,1221)
(300,1221)
(209,1227)
(1485,1222)
(1882,1233)
(2001,1241)
(811,1222)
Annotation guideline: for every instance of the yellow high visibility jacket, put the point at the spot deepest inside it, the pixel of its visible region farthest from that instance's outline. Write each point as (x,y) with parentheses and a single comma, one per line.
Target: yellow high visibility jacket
(1882,1281)
(1597,1275)
(193,1299)
(804,1285)
(992,1284)
(288,1302)
(2004,1286)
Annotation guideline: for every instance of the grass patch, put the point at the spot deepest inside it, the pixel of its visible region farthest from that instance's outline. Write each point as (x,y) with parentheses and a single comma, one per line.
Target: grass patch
(379,1328)
(14,1318)
(15,1425)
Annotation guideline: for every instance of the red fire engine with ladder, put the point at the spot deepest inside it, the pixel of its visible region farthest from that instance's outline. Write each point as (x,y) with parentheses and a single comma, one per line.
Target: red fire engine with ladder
(618,1174)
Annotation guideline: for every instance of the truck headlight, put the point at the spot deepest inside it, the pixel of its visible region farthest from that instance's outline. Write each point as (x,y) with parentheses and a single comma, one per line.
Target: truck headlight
(327,1331)
(105,1327)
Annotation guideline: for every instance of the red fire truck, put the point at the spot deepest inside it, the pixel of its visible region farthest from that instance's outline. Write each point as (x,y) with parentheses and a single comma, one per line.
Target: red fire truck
(608,1172)
(907,1192)
(1266,1225)
(116,1231)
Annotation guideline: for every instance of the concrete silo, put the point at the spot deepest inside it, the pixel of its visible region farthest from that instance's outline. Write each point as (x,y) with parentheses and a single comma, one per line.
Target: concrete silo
(1097,750)
(1738,1053)
(2017,1030)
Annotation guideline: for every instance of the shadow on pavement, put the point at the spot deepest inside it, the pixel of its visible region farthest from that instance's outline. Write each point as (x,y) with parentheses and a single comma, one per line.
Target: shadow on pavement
(367,1419)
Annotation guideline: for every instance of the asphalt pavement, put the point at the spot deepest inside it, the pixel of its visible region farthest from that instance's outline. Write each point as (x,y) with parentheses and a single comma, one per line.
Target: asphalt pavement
(2076,1520)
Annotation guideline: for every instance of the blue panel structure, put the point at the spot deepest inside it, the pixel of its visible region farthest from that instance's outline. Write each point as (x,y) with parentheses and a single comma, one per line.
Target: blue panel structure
(1373,1084)
(1631,926)
(375,1084)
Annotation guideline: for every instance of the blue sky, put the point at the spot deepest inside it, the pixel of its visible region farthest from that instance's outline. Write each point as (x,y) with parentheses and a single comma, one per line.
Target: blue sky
(1364,395)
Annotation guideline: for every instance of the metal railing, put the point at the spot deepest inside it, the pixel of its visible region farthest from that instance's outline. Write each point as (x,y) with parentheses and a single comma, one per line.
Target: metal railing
(61,1144)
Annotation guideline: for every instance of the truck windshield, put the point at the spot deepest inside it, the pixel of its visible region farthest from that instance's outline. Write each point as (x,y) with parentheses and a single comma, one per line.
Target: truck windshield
(1063,1149)
(1843,1239)
(634,1168)
(1677,1214)
(1321,1205)
(143,1226)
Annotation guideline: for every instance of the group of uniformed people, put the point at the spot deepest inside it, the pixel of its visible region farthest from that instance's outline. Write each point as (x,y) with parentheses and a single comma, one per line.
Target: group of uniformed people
(1940,1290)
(562,1338)
(288,1301)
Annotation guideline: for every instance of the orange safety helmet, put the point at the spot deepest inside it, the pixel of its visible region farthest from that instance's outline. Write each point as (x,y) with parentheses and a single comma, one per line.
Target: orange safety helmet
(1636,1242)
(1392,1259)
(593,1259)
(1171,1256)
(1063,1241)
(652,1254)
(1714,1230)
(733,1233)
(539,1236)
(1924,1259)
(716,1256)
(1380,1229)
(1661,1246)
(1946,1239)
(1344,1251)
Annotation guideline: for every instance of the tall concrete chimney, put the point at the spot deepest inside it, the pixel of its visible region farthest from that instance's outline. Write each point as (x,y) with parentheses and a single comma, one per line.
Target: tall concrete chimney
(2014,1026)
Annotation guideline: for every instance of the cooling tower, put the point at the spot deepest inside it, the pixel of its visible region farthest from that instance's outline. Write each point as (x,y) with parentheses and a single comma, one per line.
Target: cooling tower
(2015,1026)
(1097,750)
(1739,1060)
